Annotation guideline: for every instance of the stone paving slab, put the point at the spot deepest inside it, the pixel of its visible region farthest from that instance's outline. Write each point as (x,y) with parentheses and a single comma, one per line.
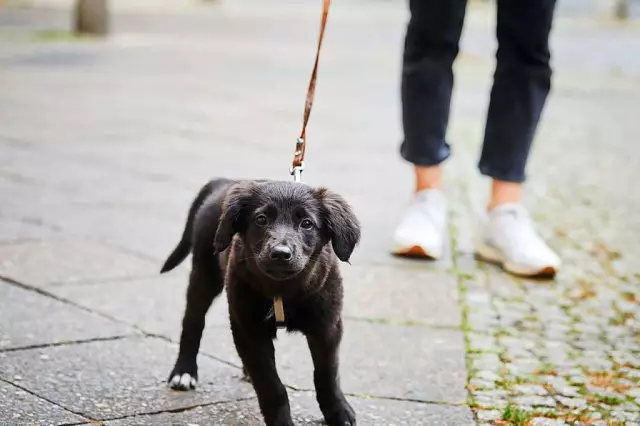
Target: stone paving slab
(18,407)
(156,305)
(408,295)
(431,357)
(111,379)
(29,318)
(305,412)
(15,230)
(374,357)
(43,263)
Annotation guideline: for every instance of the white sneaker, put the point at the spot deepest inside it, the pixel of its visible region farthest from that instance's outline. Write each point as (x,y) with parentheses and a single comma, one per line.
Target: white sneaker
(511,241)
(424,227)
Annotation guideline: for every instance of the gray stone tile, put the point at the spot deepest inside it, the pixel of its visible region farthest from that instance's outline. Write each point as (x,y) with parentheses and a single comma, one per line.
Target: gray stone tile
(30,319)
(305,412)
(13,230)
(155,305)
(433,359)
(43,263)
(137,227)
(401,295)
(382,360)
(18,407)
(117,378)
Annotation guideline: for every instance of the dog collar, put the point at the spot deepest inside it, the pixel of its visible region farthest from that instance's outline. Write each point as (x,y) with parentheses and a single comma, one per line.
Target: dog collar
(278,311)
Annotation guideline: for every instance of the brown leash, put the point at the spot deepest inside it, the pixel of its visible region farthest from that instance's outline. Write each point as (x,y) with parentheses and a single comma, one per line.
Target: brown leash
(297,166)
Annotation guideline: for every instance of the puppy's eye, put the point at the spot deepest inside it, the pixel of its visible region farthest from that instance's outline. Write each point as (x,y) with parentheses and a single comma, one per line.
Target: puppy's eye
(261,220)
(306,224)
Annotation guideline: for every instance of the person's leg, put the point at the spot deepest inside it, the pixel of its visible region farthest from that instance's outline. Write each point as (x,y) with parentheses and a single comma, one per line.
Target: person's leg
(431,46)
(503,192)
(522,82)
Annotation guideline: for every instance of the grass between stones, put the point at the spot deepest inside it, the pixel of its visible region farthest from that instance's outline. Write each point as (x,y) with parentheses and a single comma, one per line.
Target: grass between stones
(604,391)
(515,416)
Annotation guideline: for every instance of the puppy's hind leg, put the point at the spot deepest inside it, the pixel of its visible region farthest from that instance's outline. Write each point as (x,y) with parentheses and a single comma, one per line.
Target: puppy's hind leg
(205,284)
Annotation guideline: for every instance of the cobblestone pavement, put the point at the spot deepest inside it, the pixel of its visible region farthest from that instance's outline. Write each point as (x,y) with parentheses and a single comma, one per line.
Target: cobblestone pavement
(104,143)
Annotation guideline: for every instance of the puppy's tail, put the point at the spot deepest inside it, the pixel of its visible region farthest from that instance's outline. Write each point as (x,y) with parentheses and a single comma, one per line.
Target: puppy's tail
(183,248)
(178,254)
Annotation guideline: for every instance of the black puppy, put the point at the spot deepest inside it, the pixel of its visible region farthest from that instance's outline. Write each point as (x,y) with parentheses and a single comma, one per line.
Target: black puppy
(267,239)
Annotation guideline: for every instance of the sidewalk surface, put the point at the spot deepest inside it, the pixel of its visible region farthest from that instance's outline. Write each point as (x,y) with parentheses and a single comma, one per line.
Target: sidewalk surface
(103,145)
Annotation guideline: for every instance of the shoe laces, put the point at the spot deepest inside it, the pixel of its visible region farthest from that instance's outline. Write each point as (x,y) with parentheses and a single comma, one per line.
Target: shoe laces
(517,221)
(429,203)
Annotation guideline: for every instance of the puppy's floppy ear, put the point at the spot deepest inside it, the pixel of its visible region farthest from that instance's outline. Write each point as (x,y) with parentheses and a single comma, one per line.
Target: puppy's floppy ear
(233,218)
(342,223)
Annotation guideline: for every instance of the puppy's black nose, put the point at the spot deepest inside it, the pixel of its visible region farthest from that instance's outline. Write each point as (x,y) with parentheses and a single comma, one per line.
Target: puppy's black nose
(281,253)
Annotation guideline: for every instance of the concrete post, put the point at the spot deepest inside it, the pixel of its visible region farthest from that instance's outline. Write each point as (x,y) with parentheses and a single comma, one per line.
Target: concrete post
(91,17)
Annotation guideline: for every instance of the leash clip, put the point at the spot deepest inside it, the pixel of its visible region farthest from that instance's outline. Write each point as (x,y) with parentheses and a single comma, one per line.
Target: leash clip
(298,162)
(296,172)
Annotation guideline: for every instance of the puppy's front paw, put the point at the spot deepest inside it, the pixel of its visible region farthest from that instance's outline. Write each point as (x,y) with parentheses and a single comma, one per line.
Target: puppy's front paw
(183,378)
(342,416)
(183,382)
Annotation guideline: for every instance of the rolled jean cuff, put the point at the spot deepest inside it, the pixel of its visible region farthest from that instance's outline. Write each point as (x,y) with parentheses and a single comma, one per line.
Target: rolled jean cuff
(511,176)
(421,158)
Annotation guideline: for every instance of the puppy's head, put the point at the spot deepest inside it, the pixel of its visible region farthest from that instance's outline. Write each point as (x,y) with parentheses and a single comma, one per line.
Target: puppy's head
(285,225)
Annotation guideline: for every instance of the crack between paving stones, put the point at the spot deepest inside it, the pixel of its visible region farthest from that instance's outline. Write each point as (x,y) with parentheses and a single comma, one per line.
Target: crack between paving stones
(66,343)
(21,180)
(194,407)
(77,413)
(45,293)
(406,323)
(141,331)
(110,280)
(117,246)
(385,398)
(399,399)
(167,411)
(36,221)
(20,241)
(17,143)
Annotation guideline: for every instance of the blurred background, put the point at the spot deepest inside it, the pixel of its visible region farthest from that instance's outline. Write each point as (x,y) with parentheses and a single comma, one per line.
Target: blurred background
(114,113)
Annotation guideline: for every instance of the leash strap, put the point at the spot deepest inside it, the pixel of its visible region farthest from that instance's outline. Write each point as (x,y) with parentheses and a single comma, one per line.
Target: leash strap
(278,311)
(297,166)
(301,142)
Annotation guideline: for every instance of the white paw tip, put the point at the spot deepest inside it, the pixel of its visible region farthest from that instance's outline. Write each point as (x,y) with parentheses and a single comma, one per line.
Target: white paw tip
(184,381)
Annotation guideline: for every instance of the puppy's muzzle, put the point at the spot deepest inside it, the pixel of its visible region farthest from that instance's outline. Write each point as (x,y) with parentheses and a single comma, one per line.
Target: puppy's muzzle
(281,261)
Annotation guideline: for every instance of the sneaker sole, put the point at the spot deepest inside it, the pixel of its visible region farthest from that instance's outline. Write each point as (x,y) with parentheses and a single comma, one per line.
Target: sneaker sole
(491,255)
(416,252)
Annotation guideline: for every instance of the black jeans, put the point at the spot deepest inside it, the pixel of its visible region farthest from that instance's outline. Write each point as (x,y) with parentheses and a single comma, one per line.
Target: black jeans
(521,83)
